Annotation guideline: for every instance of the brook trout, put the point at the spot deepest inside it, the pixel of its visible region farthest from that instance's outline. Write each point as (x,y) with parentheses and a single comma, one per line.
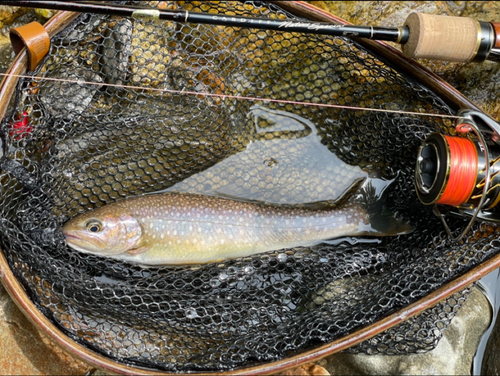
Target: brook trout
(181,228)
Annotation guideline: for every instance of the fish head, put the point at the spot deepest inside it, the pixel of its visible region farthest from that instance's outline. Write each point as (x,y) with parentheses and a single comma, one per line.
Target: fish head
(103,232)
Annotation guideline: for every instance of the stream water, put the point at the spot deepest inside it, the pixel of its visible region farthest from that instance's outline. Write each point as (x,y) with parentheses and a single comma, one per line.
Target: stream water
(281,170)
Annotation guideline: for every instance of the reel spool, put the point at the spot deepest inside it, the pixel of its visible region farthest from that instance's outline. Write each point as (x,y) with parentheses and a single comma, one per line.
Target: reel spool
(452,171)
(462,173)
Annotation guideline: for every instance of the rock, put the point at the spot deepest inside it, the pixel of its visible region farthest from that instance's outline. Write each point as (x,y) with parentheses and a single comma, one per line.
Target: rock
(452,356)
(309,369)
(115,51)
(26,351)
(45,13)
(68,99)
(9,13)
(382,13)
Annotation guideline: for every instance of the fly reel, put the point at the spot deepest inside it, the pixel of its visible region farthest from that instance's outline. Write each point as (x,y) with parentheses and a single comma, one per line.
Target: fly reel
(462,173)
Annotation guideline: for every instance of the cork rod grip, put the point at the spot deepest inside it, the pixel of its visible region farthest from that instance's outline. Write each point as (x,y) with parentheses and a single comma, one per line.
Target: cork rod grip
(442,37)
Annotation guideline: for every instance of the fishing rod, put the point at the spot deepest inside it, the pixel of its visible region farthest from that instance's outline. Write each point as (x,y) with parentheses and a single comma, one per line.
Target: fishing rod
(428,36)
(181,15)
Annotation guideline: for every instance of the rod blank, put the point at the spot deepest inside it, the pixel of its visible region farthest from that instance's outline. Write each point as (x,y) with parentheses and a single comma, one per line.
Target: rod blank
(399,35)
(422,36)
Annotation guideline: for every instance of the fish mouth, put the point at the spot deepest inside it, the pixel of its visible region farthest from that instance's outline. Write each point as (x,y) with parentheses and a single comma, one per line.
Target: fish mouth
(80,244)
(71,236)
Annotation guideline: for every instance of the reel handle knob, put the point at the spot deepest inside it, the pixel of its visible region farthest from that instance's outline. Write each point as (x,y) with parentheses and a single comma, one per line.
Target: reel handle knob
(448,38)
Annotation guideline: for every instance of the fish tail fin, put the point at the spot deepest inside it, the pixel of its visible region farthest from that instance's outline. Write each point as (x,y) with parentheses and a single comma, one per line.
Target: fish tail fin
(387,223)
(382,220)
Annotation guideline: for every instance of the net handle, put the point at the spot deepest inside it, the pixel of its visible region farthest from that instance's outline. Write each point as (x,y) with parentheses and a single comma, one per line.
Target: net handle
(34,38)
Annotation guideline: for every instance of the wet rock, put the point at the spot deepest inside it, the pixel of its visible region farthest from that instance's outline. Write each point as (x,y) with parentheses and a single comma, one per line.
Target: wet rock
(26,351)
(115,51)
(68,99)
(309,369)
(45,13)
(381,13)
(9,13)
(452,356)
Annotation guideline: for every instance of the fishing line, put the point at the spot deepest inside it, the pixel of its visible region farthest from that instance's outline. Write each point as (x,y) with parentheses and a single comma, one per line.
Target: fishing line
(462,171)
(223,96)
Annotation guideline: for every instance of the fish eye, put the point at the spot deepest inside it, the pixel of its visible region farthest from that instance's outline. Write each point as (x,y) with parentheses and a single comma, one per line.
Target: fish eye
(94,226)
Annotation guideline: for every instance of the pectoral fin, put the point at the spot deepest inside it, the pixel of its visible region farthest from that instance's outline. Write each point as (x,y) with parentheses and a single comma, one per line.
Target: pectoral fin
(137,251)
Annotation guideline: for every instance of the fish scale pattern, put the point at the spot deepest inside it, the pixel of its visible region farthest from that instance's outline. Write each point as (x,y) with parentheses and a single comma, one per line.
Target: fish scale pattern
(147,104)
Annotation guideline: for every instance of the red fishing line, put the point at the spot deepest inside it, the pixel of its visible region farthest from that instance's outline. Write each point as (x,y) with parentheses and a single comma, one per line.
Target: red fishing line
(462,171)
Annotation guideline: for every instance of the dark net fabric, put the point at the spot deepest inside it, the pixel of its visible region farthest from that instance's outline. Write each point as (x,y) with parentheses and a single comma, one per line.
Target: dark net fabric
(162,108)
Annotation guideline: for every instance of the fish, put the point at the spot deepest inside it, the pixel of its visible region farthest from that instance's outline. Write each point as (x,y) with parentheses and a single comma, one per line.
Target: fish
(185,228)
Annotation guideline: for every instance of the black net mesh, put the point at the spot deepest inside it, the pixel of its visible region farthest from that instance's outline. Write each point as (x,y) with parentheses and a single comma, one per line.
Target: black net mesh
(163,113)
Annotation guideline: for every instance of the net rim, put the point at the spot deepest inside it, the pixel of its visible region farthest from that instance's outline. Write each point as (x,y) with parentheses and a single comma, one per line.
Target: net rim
(20,297)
